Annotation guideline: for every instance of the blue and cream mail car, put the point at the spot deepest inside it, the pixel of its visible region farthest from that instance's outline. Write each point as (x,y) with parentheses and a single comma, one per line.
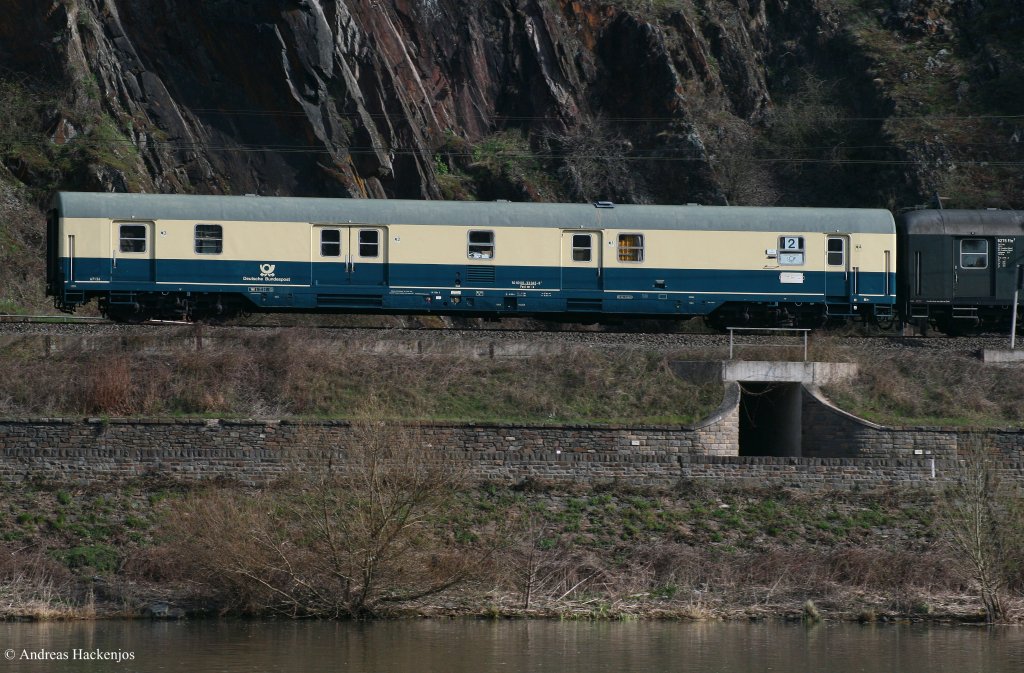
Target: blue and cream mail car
(149,256)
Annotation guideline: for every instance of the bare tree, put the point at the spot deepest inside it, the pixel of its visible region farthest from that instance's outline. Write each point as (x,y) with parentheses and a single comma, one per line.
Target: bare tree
(745,180)
(980,517)
(596,163)
(352,533)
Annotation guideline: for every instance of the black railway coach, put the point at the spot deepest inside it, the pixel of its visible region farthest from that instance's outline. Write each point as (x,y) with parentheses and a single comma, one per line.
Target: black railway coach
(957,268)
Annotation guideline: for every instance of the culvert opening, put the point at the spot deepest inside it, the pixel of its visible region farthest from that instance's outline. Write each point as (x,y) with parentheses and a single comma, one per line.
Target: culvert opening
(770,419)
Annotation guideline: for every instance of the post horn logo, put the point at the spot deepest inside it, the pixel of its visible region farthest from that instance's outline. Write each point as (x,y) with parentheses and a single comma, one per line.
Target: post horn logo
(267,270)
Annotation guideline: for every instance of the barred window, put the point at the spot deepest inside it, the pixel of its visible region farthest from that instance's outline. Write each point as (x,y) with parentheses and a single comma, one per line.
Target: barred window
(209,239)
(836,252)
(631,247)
(581,248)
(481,245)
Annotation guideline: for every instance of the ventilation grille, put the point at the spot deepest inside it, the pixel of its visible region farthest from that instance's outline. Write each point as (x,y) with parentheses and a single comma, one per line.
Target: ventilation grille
(350,300)
(480,274)
(588,305)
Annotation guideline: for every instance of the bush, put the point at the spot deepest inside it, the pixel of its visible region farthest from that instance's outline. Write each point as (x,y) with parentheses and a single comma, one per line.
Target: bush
(349,534)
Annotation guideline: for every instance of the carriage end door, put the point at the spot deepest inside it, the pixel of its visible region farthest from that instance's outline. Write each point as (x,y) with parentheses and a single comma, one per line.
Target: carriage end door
(581,260)
(838,280)
(132,255)
(972,268)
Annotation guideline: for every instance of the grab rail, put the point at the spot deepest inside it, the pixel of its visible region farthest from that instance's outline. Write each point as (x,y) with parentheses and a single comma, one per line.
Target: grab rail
(794,330)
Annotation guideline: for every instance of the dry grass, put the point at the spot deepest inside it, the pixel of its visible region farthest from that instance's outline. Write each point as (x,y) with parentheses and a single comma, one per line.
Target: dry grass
(547,550)
(293,372)
(937,389)
(33,586)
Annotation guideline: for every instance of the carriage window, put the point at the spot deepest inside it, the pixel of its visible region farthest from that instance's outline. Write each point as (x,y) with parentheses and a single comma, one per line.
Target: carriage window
(631,247)
(974,253)
(369,242)
(209,239)
(581,251)
(330,243)
(791,250)
(481,245)
(133,238)
(836,251)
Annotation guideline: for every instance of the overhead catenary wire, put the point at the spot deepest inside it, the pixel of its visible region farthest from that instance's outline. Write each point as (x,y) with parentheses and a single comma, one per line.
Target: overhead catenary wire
(658,154)
(608,119)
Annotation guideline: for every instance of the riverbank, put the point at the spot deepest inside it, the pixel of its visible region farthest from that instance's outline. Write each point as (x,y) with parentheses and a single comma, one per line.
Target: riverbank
(536,550)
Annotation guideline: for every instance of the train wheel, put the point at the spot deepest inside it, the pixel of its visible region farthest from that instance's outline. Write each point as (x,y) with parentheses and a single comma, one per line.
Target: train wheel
(716,322)
(130,314)
(887,324)
(812,319)
(955,328)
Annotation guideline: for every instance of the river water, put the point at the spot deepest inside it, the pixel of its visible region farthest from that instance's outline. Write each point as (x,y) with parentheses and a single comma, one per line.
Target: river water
(468,646)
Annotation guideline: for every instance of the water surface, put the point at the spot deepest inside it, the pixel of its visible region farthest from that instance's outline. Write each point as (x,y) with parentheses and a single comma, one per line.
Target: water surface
(467,646)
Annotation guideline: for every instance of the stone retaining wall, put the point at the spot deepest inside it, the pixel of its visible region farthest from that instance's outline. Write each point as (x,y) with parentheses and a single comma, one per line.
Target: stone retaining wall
(829,432)
(93,450)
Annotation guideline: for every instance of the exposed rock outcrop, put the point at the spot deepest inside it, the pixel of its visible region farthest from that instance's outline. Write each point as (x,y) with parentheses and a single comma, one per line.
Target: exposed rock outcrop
(378,98)
(354,98)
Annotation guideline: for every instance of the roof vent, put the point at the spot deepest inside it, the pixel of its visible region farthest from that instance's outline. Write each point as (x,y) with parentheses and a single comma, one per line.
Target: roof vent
(603,204)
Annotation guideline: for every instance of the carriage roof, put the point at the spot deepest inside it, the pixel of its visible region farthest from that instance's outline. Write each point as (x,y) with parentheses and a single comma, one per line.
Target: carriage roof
(469,213)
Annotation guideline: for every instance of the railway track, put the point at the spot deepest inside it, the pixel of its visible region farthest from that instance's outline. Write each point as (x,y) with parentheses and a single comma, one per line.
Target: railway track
(72,326)
(19,319)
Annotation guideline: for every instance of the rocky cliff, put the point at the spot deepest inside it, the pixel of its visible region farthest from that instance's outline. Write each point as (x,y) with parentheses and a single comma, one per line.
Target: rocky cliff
(805,102)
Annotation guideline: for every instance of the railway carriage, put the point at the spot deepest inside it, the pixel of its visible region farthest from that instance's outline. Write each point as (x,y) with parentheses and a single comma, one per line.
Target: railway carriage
(958,268)
(201,257)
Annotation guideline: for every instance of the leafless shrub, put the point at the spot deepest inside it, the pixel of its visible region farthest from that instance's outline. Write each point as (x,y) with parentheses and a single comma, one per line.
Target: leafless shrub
(540,568)
(744,178)
(34,586)
(981,518)
(350,534)
(21,247)
(596,164)
(109,390)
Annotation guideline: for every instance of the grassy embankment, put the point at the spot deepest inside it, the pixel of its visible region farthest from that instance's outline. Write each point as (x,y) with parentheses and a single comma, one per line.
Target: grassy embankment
(579,553)
(533,549)
(301,373)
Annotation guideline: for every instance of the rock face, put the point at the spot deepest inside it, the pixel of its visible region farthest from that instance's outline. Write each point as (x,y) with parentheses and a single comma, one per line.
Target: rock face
(364,97)
(321,97)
